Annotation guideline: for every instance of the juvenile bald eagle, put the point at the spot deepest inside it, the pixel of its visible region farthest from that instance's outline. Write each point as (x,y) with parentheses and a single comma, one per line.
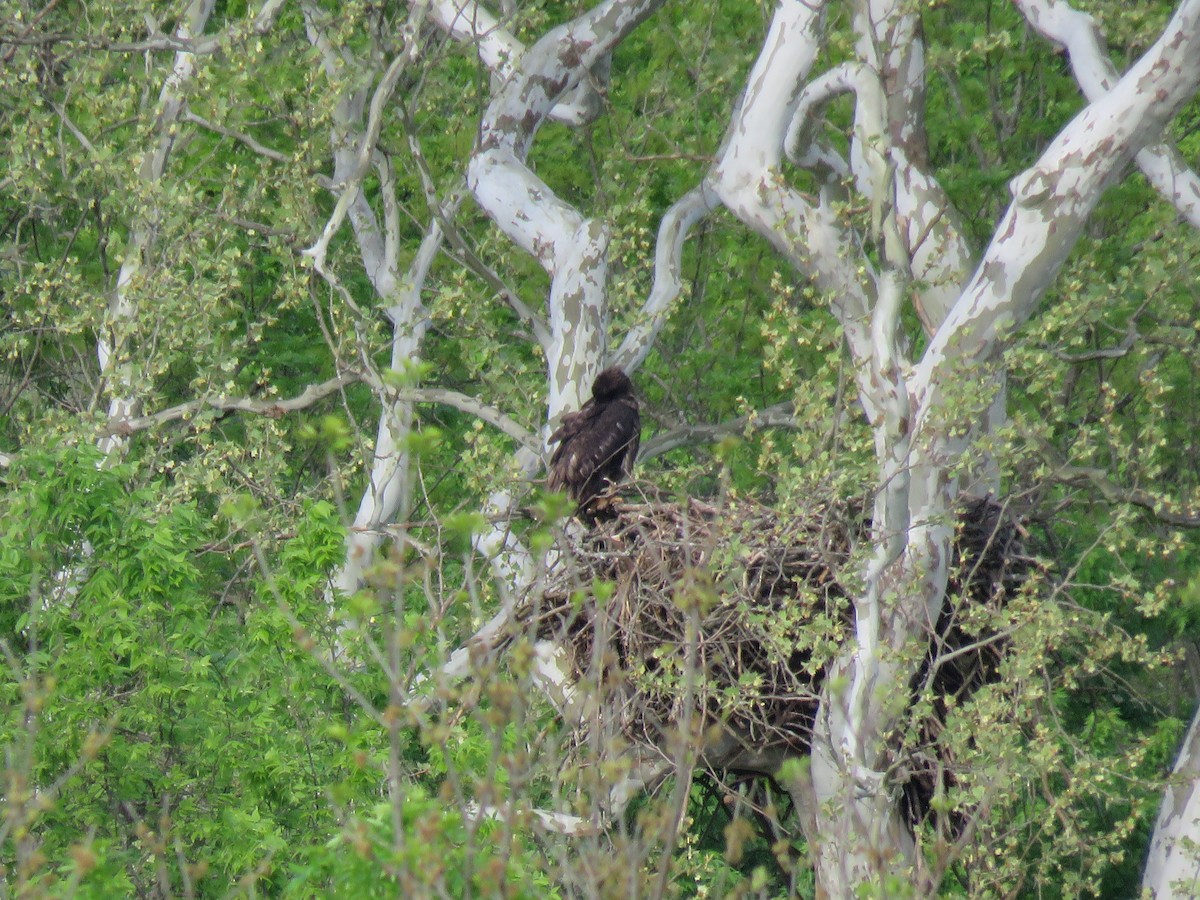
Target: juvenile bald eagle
(598,444)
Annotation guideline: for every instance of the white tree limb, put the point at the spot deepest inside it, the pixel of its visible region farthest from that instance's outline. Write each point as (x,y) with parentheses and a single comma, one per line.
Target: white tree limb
(353,163)
(500,50)
(918,429)
(116,372)
(673,231)
(1051,203)
(387,495)
(1052,199)
(861,825)
(802,144)
(572,249)
(748,179)
(887,152)
(553,822)
(468,256)
(1078,34)
(272,407)
(1173,865)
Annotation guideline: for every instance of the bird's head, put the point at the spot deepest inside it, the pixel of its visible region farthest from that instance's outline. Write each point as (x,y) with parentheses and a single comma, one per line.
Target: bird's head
(611,383)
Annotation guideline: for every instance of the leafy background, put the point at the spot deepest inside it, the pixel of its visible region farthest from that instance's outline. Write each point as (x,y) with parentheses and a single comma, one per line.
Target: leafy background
(169,728)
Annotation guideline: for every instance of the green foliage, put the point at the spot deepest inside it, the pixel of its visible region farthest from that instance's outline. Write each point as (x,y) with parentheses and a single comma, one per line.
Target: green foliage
(121,622)
(180,741)
(176,714)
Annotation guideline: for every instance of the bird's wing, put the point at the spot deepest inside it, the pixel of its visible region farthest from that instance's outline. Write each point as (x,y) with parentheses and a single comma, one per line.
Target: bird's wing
(601,439)
(568,428)
(635,441)
(614,437)
(564,462)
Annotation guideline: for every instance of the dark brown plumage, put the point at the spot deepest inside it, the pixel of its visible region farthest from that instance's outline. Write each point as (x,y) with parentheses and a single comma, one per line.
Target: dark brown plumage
(598,444)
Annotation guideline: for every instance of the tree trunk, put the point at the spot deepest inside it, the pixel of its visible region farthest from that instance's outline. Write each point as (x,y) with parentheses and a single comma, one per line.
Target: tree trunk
(1173,866)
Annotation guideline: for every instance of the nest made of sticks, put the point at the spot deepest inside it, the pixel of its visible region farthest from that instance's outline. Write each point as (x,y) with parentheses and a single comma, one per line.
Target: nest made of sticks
(760,597)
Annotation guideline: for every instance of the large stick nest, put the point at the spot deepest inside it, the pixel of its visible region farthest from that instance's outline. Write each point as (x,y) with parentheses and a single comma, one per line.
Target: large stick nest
(761,598)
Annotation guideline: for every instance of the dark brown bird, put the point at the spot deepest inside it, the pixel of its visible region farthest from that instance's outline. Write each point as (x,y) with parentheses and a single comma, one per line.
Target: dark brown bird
(598,444)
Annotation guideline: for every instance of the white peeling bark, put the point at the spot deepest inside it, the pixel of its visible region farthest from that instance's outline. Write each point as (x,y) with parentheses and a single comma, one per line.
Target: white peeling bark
(857,829)
(387,496)
(355,149)
(749,180)
(1173,865)
(571,248)
(861,835)
(919,226)
(887,154)
(500,50)
(803,144)
(921,430)
(573,251)
(913,217)
(1078,34)
(469,22)
(1051,203)
(1052,199)
(111,348)
(673,232)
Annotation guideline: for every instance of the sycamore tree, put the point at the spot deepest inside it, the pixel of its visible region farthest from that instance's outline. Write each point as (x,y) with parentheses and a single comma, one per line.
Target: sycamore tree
(294,293)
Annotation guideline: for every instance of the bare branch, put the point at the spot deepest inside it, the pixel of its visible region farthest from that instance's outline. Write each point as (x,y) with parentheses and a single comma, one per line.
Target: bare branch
(476,407)
(15,40)
(468,256)
(781,415)
(1120,350)
(241,137)
(160,42)
(350,185)
(74,129)
(314,393)
(1114,493)
(117,373)
(271,408)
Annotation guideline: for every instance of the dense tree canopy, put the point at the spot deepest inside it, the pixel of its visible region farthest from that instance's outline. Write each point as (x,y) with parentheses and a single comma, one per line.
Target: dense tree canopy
(902,599)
